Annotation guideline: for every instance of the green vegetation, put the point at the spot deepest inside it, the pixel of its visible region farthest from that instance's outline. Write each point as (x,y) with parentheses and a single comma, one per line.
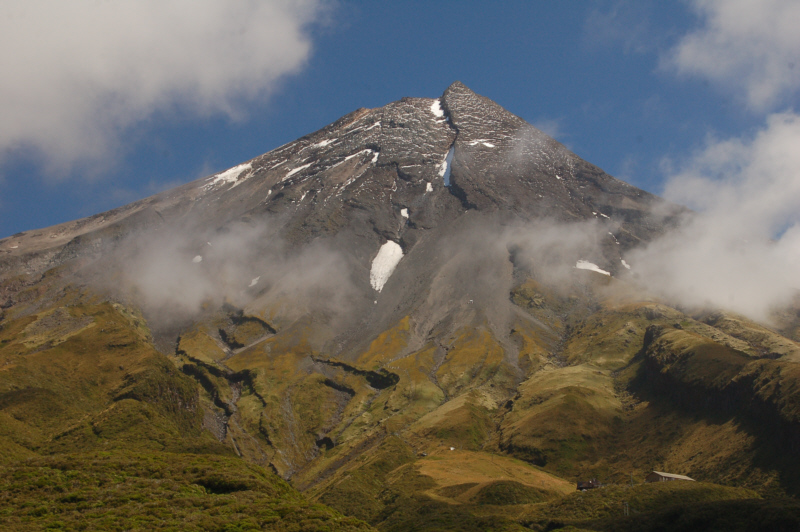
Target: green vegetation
(102,432)
(155,491)
(583,506)
(473,429)
(408,506)
(418,513)
(723,516)
(562,418)
(665,506)
(358,491)
(505,492)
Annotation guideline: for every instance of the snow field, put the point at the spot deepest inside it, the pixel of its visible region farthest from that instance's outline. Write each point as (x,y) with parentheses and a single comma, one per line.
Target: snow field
(228,176)
(384,263)
(436,109)
(586,265)
(444,168)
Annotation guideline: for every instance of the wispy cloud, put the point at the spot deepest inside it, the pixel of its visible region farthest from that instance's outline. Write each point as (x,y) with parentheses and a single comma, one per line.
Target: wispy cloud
(741,251)
(77,74)
(622,22)
(750,47)
(628,167)
(551,126)
(177,270)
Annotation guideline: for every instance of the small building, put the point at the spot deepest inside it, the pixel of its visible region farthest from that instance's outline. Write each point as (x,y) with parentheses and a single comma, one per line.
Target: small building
(659,476)
(588,485)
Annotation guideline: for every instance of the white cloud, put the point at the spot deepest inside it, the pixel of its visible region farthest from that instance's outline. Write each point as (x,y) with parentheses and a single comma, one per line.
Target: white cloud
(553,127)
(625,22)
(76,74)
(756,179)
(747,45)
(742,250)
(176,269)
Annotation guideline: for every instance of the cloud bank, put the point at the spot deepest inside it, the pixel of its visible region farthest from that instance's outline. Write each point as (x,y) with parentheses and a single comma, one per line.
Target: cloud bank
(77,74)
(177,271)
(741,251)
(748,46)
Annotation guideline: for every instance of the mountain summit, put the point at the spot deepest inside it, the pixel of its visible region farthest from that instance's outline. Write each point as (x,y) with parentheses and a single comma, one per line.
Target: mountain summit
(389,189)
(420,315)
(381,161)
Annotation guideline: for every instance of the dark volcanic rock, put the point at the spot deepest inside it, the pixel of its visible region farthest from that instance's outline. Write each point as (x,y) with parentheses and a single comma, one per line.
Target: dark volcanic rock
(358,173)
(424,173)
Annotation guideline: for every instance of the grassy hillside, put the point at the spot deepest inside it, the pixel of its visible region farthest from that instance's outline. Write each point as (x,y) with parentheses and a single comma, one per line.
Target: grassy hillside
(607,502)
(155,491)
(473,428)
(674,506)
(100,431)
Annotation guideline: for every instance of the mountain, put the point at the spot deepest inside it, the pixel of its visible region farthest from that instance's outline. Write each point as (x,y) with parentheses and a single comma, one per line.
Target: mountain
(421,316)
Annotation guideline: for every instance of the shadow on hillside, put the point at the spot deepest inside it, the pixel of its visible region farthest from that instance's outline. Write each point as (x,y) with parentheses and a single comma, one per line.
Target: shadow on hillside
(775,439)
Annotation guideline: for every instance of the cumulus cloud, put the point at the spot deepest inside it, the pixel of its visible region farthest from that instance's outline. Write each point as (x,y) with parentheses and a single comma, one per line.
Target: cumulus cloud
(77,74)
(750,46)
(741,251)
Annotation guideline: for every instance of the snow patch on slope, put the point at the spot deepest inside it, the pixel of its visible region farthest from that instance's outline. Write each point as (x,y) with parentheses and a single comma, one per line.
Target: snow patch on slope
(374,157)
(444,168)
(436,109)
(298,169)
(485,142)
(586,265)
(231,175)
(323,143)
(384,264)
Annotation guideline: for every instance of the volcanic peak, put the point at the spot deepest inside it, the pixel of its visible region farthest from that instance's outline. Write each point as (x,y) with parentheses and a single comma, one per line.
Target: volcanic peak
(369,167)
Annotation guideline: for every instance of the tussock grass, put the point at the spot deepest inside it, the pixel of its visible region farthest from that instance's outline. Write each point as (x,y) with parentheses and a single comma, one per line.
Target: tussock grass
(560,418)
(743,515)
(155,491)
(456,468)
(608,501)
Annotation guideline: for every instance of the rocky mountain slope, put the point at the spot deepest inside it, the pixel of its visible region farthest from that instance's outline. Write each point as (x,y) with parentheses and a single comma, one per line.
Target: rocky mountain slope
(420,316)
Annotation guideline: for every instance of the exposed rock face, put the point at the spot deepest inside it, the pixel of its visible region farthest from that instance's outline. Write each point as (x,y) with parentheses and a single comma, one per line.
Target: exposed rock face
(359,173)
(376,176)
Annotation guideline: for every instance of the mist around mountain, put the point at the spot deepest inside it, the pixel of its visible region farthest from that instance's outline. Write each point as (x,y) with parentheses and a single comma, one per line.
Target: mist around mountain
(425,316)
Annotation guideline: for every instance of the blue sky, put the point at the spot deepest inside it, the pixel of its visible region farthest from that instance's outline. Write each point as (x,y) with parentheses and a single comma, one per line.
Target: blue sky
(107,105)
